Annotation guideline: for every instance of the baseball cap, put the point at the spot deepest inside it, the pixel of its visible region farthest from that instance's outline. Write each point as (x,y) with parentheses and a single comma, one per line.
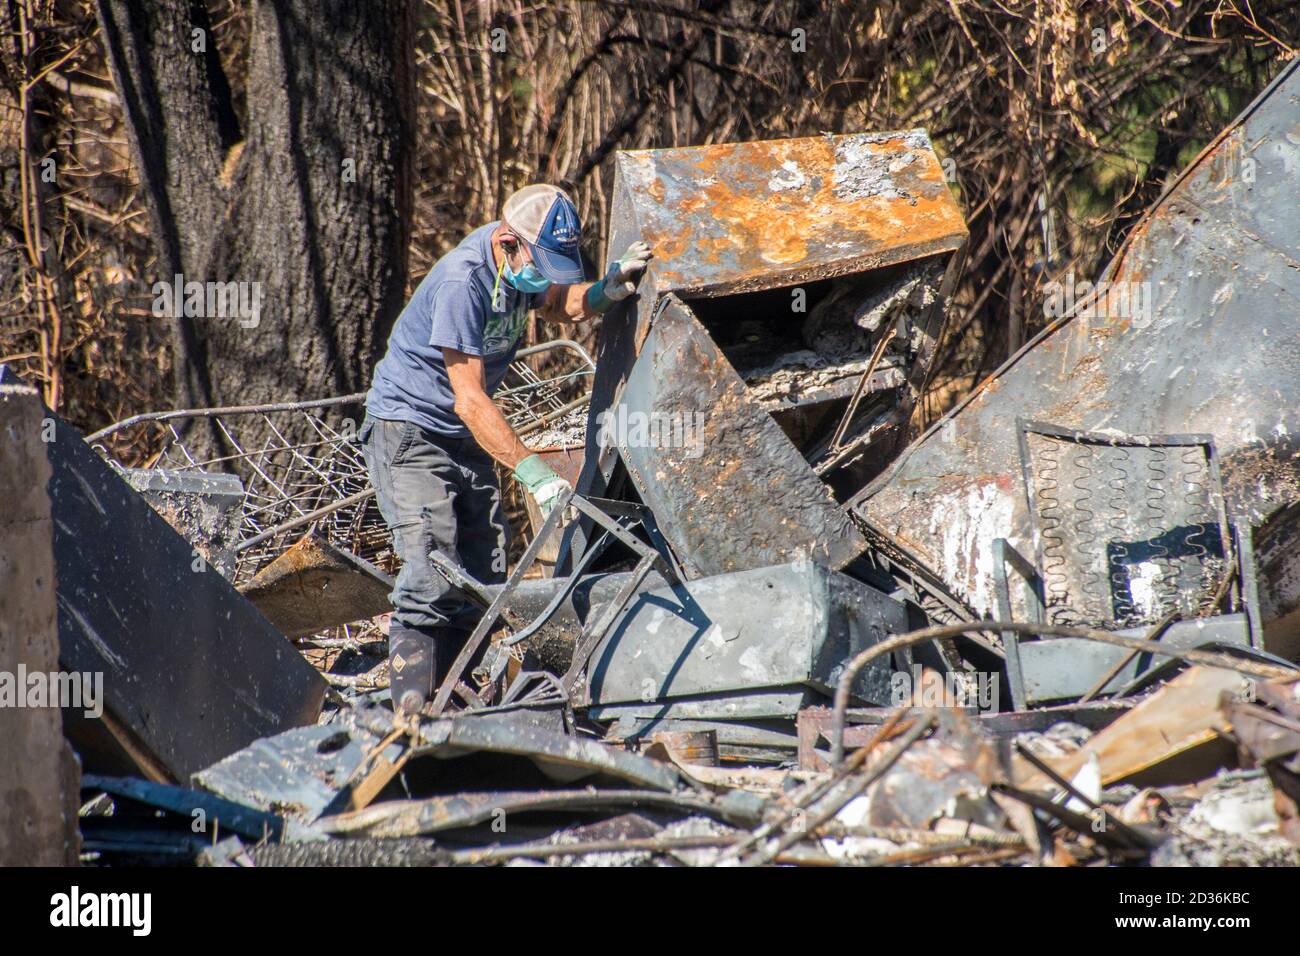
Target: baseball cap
(546,219)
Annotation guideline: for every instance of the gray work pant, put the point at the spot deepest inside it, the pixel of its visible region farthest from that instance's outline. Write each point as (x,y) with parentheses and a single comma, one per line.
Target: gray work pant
(435,492)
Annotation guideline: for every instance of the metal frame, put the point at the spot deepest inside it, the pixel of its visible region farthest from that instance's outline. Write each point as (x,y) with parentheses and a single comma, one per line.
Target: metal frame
(1235,540)
(1026,427)
(608,515)
(1004,553)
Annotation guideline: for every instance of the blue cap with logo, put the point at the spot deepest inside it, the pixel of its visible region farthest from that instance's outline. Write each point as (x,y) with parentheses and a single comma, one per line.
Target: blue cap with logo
(546,219)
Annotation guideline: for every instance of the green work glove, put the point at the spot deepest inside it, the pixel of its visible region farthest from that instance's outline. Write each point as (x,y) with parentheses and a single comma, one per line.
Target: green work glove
(541,482)
(621,279)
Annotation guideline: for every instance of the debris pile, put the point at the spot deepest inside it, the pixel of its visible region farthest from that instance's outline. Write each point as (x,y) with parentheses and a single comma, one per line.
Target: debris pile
(770,627)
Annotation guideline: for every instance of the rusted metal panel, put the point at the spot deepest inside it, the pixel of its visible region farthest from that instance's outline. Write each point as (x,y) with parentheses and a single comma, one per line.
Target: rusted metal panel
(1195,333)
(738,495)
(738,217)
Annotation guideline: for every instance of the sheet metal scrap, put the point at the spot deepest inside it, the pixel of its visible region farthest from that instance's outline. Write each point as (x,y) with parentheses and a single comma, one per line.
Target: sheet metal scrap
(404,818)
(217,814)
(191,671)
(304,773)
(739,217)
(730,220)
(739,496)
(785,627)
(204,507)
(560,757)
(296,773)
(1191,335)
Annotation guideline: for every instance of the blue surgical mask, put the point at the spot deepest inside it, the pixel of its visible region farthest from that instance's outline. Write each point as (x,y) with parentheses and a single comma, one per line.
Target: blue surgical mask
(527,279)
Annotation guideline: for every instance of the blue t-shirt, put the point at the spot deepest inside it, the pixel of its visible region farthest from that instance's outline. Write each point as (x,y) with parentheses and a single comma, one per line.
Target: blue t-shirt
(451,308)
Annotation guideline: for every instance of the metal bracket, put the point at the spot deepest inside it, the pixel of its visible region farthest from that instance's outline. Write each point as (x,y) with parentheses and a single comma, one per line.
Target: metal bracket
(1004,553)
(607,515)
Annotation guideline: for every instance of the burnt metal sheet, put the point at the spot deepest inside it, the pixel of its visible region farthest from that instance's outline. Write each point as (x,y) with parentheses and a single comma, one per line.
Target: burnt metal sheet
(302,773)
(438,814)
(315,585)
(296,773)
(781,702)
(768,628)
(1195,333)
(738,496)
(191,670)
(219,815)
(743,217)
(560,757)
(738,217)
(205,508)
(1066,668)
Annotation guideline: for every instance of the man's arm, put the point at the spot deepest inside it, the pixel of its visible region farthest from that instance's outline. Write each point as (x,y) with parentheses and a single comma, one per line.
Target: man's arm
(493,433)
(586,300)
(484,419)
(567,303)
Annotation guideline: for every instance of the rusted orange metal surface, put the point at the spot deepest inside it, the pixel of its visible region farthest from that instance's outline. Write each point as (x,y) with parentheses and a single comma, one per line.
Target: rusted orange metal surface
(741,217)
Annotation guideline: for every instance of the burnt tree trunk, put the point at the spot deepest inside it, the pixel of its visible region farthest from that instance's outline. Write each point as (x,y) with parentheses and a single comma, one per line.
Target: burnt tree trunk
(309,197)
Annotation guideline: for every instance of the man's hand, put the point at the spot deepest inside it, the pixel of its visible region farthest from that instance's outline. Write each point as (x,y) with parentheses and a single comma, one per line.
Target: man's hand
(625,272)
(621,279)
(546,487)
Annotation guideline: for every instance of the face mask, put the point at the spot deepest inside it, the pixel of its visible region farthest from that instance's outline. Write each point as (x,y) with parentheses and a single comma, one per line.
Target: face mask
(527,279)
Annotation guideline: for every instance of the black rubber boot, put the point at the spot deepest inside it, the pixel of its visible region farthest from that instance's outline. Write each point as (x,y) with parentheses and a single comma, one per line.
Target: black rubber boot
(412,662)
(450,641)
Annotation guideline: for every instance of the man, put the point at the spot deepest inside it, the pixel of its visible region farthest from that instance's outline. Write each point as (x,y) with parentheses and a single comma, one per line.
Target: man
(432,429)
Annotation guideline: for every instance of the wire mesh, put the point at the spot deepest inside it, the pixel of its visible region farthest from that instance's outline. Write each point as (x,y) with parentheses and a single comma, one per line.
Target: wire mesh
(299,462)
